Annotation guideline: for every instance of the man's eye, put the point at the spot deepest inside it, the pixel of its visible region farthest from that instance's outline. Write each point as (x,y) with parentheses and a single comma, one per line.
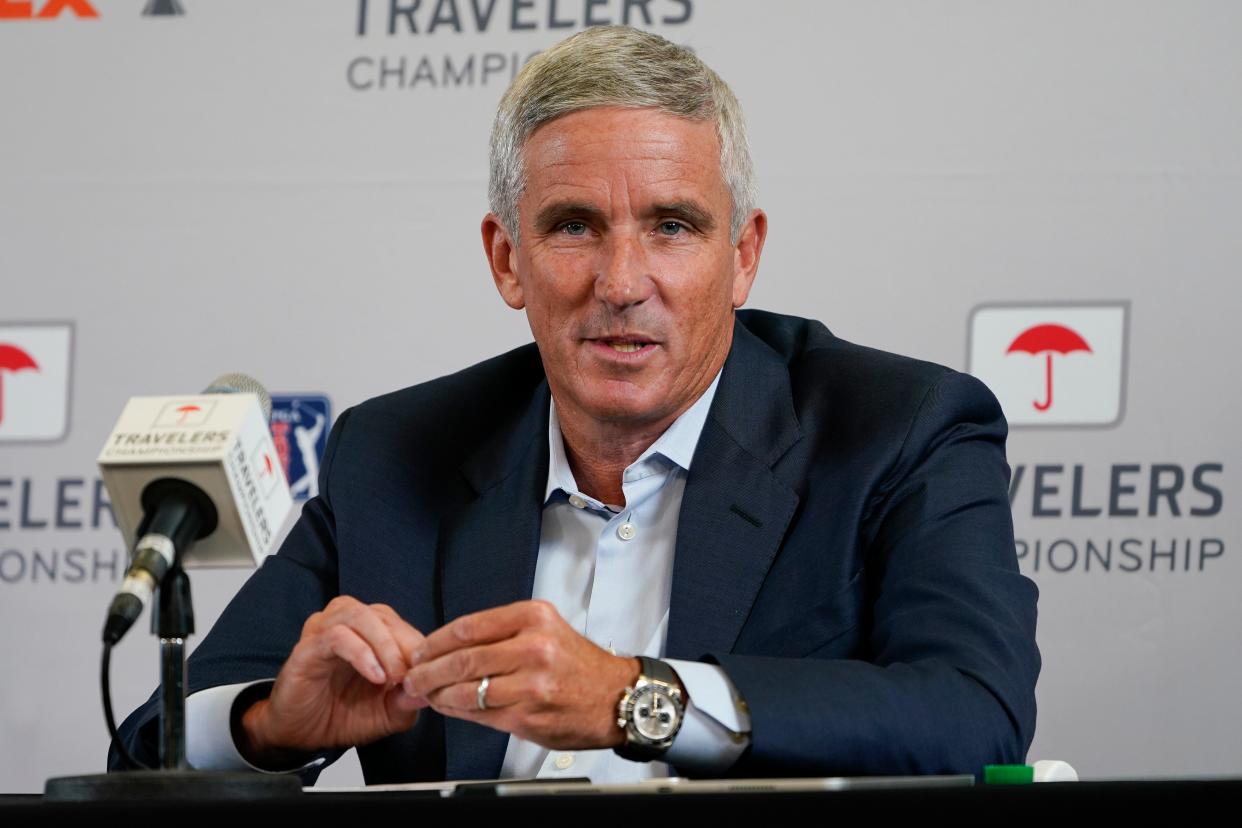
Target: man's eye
(574,228)
(671,228)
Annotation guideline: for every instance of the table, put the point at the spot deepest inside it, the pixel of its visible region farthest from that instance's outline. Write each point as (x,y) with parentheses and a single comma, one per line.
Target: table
(1121,802)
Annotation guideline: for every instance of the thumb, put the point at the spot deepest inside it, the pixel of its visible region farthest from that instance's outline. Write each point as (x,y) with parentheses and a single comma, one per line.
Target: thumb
(401,706)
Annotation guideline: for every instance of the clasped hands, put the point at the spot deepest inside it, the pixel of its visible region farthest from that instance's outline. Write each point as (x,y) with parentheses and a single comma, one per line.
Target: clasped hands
(360,673)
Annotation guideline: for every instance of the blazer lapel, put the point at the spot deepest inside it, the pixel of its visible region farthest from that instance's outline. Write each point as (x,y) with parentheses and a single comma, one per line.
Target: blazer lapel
(735,511)
(488,554)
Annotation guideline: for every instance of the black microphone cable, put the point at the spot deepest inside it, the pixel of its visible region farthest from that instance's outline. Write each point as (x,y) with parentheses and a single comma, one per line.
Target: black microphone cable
(106,686)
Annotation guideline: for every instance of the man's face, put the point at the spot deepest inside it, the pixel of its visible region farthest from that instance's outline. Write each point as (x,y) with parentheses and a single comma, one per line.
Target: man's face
(625,266)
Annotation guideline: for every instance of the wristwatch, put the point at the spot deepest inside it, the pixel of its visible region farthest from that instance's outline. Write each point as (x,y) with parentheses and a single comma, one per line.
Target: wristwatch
(650,712)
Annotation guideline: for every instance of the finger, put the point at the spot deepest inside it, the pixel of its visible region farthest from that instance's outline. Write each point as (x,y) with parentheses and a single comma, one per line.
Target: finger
(465,665)
(497,719)
(344,643)
(488,626)
(372,628)
(403,707)
(463,698)
(407,637)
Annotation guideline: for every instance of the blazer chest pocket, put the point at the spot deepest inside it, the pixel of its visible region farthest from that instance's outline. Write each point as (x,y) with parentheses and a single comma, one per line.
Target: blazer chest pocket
(826,629)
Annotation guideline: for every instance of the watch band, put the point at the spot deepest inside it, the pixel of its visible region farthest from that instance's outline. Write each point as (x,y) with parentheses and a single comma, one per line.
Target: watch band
(653,668)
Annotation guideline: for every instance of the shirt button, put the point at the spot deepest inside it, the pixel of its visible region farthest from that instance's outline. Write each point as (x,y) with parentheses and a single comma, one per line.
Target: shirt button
(626,531)
(577,502)
(564,761)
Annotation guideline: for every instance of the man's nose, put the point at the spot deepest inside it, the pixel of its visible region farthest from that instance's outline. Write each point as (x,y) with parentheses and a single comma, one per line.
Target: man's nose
(624,278)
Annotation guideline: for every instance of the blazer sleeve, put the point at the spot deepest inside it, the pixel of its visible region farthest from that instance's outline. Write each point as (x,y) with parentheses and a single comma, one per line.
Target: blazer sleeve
(261,624)
(947,684)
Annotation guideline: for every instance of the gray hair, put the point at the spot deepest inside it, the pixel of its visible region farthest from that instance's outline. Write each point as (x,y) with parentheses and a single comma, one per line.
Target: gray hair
(615,66)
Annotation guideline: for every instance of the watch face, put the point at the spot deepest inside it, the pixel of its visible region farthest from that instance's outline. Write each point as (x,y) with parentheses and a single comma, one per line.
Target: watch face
(655,715)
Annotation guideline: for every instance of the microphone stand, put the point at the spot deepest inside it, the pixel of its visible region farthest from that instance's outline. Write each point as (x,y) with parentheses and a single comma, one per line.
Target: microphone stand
(173,623)
(176,779)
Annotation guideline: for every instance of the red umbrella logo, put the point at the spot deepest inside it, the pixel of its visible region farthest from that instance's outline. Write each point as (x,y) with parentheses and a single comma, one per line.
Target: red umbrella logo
(14,359)
(1048,340)
(186,410)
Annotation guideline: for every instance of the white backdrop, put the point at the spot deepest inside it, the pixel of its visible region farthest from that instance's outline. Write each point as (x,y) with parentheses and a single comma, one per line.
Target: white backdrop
(283,187)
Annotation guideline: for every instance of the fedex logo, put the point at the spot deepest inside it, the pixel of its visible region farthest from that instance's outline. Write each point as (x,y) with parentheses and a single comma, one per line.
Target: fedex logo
(35,366)
(25,9)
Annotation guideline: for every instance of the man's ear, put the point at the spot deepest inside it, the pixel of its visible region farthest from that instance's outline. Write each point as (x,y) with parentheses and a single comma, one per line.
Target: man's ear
(746,253)
(501,255)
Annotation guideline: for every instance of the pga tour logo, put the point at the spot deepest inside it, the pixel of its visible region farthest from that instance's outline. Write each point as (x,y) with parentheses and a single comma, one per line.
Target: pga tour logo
(1053,365)
(300,426)
(36,360)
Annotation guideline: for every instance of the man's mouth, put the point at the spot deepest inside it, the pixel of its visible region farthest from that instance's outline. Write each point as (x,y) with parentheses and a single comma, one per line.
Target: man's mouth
(627,345)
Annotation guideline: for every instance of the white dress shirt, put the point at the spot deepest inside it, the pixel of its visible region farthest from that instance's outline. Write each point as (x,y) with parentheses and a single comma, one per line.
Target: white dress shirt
(608,570)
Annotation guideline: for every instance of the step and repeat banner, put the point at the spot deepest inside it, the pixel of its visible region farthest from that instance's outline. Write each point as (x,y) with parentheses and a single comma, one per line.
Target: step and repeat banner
(1045,194)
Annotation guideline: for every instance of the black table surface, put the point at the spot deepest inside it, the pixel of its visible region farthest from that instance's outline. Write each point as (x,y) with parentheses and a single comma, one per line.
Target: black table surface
(1204,800)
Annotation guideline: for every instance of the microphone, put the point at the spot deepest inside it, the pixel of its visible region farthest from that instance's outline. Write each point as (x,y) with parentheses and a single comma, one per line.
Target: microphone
(192,479)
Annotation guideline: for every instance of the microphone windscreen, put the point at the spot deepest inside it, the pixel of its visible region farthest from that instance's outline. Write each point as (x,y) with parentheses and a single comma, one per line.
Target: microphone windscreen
(242,384)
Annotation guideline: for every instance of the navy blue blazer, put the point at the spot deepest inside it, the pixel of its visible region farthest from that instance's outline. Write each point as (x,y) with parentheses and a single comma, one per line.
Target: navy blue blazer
(844,551)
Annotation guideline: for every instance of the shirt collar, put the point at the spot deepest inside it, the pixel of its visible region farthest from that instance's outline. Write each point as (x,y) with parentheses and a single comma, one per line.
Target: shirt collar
(676,444)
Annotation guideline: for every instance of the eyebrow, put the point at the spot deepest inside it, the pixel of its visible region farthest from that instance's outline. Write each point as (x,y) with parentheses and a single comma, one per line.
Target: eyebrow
(688,211)
(559,211)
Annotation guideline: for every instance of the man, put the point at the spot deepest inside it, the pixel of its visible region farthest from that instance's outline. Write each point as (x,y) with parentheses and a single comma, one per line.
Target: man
(814,537)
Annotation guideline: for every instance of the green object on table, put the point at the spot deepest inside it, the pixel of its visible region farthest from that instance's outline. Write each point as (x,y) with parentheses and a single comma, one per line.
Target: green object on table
(1008,774)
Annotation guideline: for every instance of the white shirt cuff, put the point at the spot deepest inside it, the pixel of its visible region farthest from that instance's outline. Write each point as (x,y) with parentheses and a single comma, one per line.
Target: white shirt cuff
(716,729)
(209,734)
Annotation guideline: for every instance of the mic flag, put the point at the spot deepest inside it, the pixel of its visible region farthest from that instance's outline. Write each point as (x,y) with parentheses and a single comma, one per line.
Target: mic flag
(221,444)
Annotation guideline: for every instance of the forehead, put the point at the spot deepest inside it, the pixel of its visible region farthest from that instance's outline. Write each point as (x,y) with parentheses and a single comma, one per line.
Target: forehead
(640,150)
